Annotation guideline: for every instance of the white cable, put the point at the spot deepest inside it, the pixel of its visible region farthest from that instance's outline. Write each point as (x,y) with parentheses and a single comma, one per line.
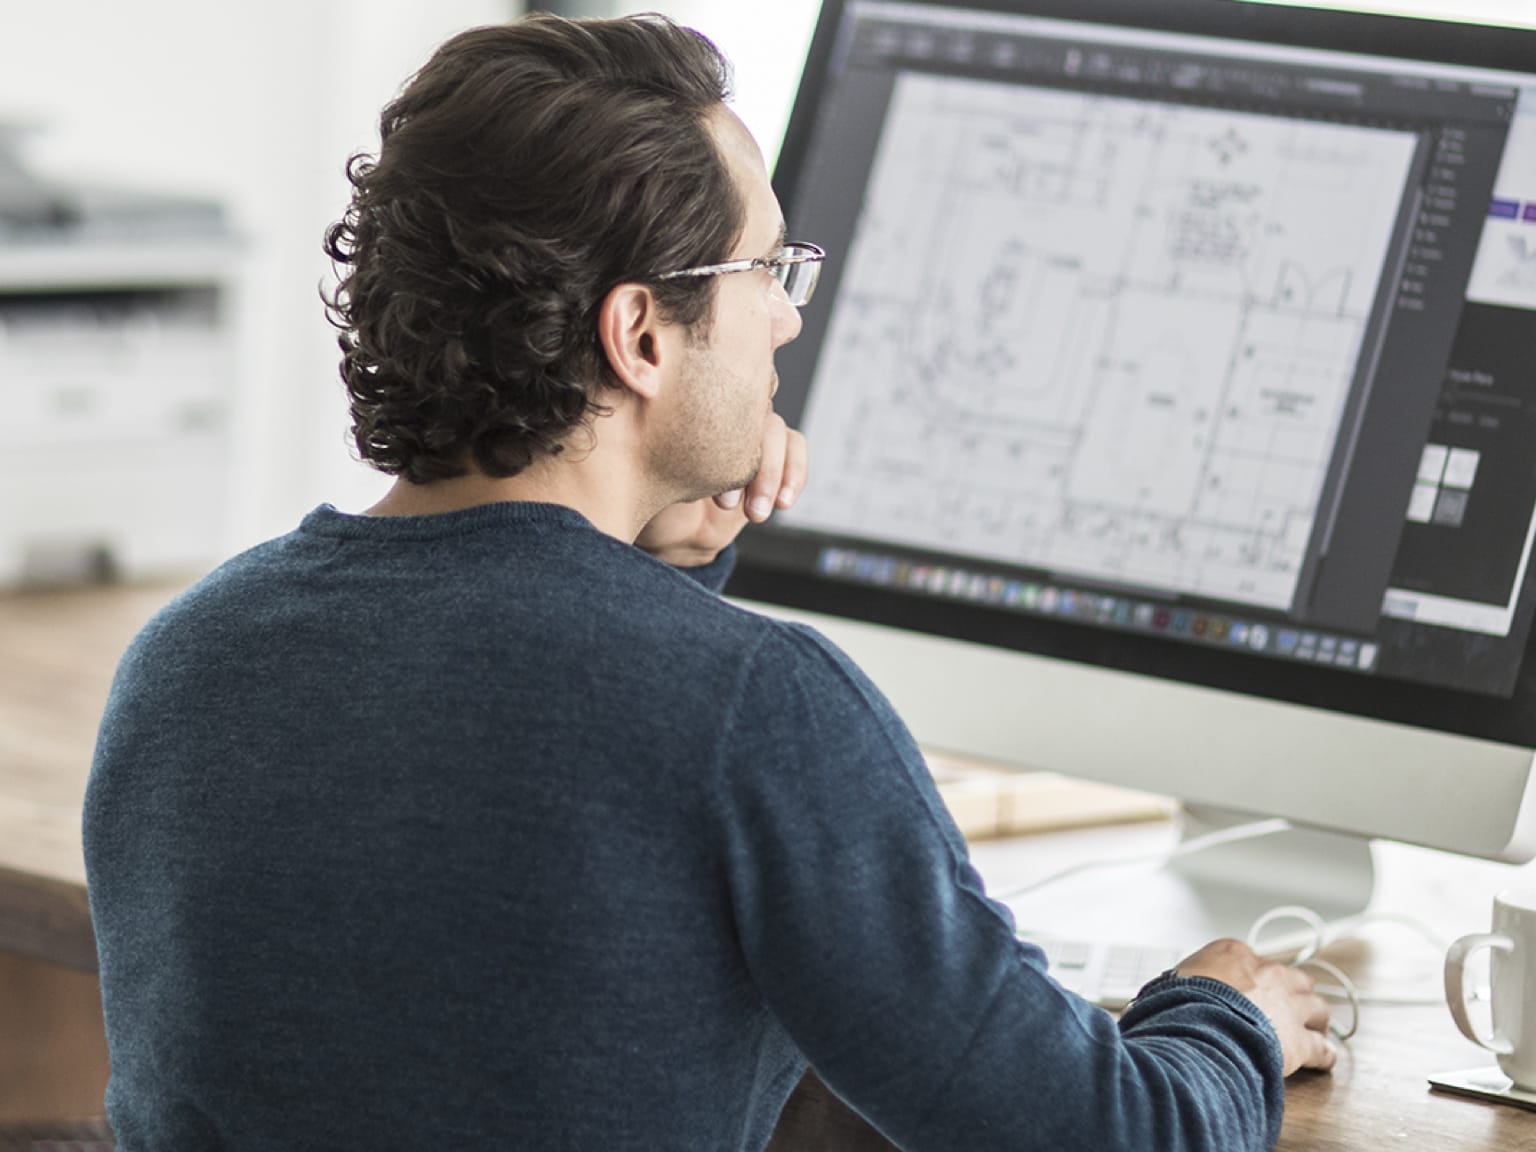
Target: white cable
(1436,942)
(1253,831)
(1306,957)
(1350,993)
(1344,989)
(1434,939)
(1316,928)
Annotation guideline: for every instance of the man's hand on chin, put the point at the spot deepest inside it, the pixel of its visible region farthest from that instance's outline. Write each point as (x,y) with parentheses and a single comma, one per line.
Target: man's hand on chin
(693,534)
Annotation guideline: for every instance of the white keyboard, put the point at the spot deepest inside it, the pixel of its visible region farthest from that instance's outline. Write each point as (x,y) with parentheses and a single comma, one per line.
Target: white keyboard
(1105,973)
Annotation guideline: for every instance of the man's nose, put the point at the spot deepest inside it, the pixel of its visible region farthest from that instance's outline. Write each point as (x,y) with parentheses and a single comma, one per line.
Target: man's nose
(786,321)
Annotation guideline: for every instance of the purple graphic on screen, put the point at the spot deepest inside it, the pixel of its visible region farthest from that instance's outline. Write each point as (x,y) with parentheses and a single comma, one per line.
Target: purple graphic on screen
(1530,213)
(1505,209)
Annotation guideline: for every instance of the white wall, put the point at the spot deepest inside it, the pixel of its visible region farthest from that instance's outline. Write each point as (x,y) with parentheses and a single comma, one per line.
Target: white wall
(257,105)
(766,43)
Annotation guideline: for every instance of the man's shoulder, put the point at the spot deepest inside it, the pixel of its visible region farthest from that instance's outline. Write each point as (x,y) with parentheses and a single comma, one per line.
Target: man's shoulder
(230,579)
(791,668)
(800,646)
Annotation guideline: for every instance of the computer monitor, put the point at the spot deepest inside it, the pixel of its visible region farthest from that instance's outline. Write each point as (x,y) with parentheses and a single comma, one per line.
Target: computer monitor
(1171,394)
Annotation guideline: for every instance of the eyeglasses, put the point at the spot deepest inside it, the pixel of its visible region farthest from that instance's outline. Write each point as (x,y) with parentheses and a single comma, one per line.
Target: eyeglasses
(796,266)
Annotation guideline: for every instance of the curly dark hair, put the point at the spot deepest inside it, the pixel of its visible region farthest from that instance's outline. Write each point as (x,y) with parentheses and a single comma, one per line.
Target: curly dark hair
(526,170)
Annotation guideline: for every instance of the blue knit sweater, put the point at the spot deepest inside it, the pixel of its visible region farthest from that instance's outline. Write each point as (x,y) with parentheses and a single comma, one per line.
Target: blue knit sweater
(486,830)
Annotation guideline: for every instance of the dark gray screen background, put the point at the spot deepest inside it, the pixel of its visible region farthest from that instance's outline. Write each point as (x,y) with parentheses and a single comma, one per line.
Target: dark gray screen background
(1343,584)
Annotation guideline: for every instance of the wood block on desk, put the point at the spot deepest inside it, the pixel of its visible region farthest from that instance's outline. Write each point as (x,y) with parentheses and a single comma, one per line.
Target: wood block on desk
(987,801)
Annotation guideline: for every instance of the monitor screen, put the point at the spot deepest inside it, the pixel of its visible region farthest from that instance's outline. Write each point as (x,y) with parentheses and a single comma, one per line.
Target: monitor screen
(1189,350)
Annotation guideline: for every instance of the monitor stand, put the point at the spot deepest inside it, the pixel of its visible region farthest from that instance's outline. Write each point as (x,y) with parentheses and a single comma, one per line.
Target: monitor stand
(1200,894)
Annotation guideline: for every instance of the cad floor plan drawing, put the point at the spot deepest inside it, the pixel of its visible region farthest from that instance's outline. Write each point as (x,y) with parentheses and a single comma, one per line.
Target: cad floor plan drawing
(1101,336)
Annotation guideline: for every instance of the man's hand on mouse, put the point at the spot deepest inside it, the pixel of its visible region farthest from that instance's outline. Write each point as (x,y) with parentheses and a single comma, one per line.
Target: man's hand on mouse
(1285,994)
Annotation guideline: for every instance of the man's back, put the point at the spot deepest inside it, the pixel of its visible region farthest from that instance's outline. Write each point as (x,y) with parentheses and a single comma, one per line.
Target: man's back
(484,827)
(382,809)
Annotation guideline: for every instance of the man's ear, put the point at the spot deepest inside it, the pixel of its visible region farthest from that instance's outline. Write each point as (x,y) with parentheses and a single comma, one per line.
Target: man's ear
(635,338)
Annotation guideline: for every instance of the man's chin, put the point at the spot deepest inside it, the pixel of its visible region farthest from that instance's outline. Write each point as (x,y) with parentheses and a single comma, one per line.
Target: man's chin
(751,476)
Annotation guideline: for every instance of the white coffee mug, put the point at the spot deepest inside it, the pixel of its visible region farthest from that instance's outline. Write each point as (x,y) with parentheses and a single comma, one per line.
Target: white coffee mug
(1512,960)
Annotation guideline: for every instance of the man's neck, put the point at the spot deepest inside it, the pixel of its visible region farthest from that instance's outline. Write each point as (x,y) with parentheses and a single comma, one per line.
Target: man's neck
(609,506)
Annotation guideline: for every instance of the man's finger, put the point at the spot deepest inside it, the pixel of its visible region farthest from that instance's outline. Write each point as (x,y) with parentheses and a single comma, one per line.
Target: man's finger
(796,465)
(1323,1054)
(763,491)
(1318,1013)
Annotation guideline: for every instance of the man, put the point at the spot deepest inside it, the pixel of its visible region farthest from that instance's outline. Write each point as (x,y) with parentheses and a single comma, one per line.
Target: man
(468,822)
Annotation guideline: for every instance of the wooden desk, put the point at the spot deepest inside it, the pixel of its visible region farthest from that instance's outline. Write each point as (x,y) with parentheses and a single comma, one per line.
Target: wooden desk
(57,653)
(1376,1098)
(1378,1095)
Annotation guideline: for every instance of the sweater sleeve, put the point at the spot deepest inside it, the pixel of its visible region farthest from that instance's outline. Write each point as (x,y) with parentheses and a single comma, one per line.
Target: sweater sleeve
(714,574)
(873,942)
